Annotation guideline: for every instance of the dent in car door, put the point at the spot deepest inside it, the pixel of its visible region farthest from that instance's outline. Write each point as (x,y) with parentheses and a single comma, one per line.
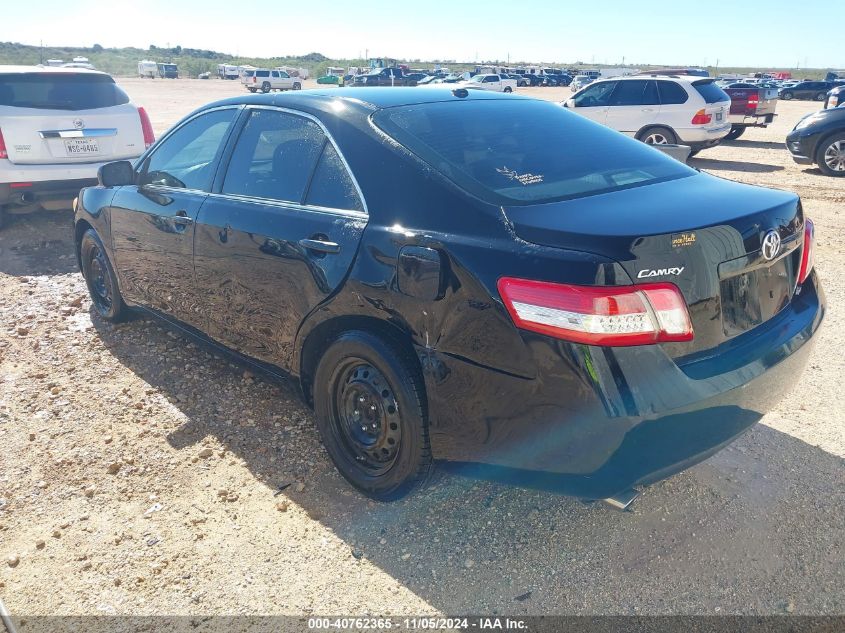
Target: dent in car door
(152,222)
(279,237)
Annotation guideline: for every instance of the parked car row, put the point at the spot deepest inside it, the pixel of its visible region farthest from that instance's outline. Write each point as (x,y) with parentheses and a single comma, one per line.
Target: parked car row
(658,109)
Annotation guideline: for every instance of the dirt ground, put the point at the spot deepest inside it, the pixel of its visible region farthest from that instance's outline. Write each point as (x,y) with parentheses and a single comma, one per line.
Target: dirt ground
(141,474)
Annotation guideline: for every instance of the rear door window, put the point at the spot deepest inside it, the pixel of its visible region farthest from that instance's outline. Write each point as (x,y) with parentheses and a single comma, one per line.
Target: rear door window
(629,93)
(60,91)
(671,93)
(332,185)
(274,157)
(711,92)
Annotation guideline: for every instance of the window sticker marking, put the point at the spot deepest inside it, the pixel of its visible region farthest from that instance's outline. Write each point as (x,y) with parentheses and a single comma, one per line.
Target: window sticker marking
(523,179)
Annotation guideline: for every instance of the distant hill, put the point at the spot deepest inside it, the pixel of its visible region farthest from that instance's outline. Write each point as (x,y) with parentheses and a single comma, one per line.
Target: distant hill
(124,61)
(192,61)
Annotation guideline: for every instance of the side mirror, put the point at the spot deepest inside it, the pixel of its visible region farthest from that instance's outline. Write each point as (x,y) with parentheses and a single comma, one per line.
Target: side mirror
(569,103)
(116,174)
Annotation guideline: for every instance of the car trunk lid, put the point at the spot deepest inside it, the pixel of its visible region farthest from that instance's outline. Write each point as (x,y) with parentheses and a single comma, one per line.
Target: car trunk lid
(701,233)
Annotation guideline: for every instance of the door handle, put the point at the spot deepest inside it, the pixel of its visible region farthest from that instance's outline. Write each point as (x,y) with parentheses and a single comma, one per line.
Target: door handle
(648,109)
(182,217)
(320,246)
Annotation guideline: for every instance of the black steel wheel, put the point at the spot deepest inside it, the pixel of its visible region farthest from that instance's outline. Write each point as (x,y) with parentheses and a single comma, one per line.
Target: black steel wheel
(370,406)
(100,278)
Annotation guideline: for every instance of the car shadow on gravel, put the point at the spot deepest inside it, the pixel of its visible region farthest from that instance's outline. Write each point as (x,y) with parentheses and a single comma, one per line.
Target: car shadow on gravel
(733,165)
(38,244)
(765,512)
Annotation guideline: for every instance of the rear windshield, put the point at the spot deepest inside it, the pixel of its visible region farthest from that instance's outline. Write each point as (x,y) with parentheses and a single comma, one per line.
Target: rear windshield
(60,91)
(711,92)
(524,151)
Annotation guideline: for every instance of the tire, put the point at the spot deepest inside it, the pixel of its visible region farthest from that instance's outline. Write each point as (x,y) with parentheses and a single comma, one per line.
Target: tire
(508,89)
(265,87)
(735,133)
(821,96)
(693,152)
(252,90)
(830,156)
(658,136)
(787,96)
(297,86)
(392,455)
(100,278)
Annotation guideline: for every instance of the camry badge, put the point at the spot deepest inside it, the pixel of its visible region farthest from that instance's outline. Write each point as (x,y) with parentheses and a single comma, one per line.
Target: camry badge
(660,272)
(771,246)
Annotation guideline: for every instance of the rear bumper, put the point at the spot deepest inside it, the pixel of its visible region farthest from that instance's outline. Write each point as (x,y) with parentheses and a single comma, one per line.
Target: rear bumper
(53,194)
(740,120)
(596,421)
(699,138)
(15,172)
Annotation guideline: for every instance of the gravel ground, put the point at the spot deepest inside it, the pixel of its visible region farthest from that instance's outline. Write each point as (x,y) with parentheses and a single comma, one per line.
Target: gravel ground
(141,473)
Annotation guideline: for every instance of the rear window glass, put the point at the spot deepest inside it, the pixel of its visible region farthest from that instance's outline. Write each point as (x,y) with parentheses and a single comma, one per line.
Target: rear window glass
(524,151)
(60,91)
(711,92)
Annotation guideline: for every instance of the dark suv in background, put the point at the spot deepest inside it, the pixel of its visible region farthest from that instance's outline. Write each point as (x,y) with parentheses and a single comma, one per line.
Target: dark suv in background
(807,90)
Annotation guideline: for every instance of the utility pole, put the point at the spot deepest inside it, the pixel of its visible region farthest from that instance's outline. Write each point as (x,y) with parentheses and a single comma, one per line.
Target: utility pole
(41,53)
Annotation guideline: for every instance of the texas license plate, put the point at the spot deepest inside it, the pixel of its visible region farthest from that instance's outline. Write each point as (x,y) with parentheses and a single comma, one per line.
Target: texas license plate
(81,146)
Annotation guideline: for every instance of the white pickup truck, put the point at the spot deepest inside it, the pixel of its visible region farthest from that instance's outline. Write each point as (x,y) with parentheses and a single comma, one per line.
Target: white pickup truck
(265,80)
(496,83)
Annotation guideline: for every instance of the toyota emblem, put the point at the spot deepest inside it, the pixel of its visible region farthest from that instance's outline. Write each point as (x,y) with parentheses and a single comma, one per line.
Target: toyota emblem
(78,124)
(771,246)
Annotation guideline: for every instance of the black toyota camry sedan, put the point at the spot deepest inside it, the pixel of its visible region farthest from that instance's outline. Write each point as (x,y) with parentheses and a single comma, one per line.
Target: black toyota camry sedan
(465,276)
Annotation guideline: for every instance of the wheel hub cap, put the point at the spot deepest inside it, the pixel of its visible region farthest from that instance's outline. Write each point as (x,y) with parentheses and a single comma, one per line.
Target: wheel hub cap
(834,156)
(368,416)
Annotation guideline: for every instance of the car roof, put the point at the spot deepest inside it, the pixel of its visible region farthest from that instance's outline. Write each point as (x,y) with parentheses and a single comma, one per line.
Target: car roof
(686,78)
(48,70)
(370,98)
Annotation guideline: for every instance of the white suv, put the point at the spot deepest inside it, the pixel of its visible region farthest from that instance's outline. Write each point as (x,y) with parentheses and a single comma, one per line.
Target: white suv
(265,80)
(57,126)
(658,109)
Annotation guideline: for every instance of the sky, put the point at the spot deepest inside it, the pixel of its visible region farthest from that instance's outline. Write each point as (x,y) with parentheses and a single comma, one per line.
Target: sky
(701,32)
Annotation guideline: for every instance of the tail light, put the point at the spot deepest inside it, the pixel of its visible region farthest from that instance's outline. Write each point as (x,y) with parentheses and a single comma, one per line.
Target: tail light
(701,118)
(146,128)
(753,101)
(598,315)
(807,252)
(3,152)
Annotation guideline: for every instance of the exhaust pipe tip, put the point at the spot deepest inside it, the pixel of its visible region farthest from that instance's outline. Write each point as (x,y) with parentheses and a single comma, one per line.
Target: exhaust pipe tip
(623,500)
